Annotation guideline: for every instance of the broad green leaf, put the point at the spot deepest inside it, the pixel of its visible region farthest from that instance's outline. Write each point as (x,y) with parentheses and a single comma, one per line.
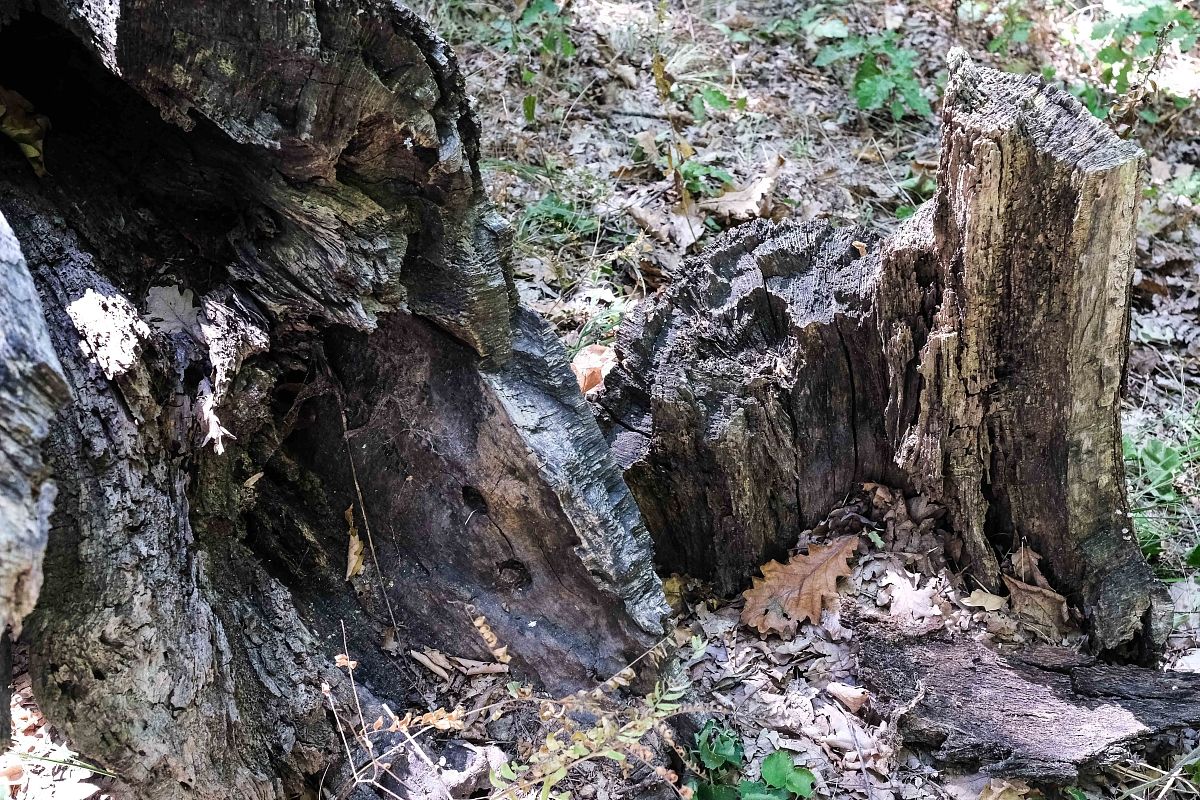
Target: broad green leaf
(757,790)
(801,781)
(776,768)
(715,98)
(712,791)
(872,91)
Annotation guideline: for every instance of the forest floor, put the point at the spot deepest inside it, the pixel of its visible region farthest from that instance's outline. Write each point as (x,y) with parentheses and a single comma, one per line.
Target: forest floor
(619,135)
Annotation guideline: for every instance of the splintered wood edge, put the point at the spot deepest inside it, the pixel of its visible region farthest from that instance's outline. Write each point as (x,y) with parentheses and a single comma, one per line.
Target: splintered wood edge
(1056,122)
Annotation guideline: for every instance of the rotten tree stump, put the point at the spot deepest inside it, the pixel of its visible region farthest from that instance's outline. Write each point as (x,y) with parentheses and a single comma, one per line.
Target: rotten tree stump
(975,355)
(275,299)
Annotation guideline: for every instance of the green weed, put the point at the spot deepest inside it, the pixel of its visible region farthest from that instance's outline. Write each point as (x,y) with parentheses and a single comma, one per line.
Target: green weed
(1157,471)
(886,74)
(721,758)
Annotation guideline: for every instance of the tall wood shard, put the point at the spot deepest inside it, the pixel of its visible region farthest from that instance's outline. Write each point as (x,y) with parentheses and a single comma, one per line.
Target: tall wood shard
(975,355)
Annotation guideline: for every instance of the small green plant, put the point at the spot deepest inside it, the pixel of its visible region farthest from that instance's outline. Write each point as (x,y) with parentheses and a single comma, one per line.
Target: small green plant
(1132,38)
(1014,25)
(917,188)
(540,38)
(615,736)
(1128,45)
(886,74)
(703,179)
(814,23)
(709,98)
(542,27)
(562,215)
(1155,469)
(721,758)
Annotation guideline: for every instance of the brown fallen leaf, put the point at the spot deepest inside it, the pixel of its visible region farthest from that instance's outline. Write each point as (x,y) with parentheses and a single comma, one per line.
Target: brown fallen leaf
(985,600)
(354,548)
(909,601)
(469,666)
(673,588)
(752,200)
(1025,567)
(1041,606)
(791,593)
(1005,789)
(852,697)
(591,365)
(433,661)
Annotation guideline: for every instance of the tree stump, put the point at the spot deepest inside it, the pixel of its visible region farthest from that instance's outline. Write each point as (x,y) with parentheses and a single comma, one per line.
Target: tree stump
(974,355)
(285,311)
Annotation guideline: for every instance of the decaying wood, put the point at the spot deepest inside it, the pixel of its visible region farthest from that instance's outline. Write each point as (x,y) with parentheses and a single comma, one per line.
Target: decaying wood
(31,390)
(975,356)
(344,334)
(1044,713)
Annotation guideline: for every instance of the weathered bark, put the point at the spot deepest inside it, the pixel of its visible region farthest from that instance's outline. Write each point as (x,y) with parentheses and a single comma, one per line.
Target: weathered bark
(1044,713)
(314,183)
(975,355)
(31,390)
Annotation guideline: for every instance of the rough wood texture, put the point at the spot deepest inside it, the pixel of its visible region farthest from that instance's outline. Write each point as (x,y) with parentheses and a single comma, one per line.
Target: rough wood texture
(329,219)
(1018,428)
(975,355)
(31,390)
(733,408)
(1045,713)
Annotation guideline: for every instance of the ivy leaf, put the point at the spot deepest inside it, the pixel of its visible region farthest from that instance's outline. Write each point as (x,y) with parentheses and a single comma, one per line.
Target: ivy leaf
(718,747)
(801,781)
(776,768)
(757,790)
(713,791)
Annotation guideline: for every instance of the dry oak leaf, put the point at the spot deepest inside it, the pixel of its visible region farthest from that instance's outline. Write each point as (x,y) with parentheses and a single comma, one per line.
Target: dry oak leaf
(752,200)
(788,594)
(1005,789)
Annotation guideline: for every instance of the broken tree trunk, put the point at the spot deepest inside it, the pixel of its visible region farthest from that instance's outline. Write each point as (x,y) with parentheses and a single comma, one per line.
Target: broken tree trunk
(31,390)
(285,311)
(975,355)
(1044,713)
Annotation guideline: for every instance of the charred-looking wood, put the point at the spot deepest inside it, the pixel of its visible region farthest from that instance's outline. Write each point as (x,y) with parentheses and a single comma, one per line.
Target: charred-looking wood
(975,355)
(350,323)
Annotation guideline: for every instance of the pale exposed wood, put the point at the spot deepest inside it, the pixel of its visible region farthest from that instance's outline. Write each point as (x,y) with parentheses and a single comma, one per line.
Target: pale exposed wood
(31,390)
(1044,713)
